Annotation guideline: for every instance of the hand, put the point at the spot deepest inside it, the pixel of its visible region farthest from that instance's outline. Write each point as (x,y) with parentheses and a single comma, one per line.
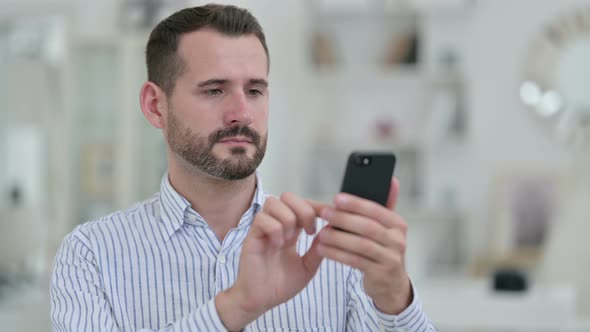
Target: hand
(271,271)
(371,238)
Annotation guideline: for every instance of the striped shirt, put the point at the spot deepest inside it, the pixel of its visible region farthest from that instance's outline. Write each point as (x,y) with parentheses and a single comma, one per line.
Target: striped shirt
(158,266)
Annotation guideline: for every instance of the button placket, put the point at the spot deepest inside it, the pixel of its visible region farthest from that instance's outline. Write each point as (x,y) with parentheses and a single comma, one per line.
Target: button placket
(219,271)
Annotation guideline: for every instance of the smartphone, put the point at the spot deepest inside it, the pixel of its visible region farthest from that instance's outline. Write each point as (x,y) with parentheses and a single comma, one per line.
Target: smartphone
(368,175)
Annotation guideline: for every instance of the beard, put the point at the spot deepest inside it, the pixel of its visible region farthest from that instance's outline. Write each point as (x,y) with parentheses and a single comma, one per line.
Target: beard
(197,150)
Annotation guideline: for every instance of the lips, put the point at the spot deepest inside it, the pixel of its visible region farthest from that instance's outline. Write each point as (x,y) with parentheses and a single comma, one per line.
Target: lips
(236,140)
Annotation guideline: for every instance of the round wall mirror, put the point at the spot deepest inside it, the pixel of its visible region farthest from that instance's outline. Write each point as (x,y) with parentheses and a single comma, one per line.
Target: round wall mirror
(556,87)
(556,90)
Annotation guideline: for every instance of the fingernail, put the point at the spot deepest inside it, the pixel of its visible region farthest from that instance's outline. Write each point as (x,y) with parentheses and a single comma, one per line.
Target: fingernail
(327,213)
(341,199)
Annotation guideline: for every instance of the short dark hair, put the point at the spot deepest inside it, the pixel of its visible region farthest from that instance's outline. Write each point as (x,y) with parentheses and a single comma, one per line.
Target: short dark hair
(164,65)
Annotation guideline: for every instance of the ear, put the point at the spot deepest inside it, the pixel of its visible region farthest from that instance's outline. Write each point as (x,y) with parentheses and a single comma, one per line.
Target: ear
(153,104)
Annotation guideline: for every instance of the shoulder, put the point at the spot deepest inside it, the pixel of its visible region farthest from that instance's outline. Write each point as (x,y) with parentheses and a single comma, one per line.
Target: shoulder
(122,223)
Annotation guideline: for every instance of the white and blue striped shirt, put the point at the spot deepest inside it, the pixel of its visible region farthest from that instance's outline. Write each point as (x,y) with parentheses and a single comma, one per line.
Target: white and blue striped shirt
(158,266)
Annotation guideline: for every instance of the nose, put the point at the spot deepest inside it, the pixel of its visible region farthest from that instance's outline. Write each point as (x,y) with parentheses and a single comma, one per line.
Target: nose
(238,111)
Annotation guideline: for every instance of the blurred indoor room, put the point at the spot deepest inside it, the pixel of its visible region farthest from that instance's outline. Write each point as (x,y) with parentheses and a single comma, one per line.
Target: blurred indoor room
(485,104)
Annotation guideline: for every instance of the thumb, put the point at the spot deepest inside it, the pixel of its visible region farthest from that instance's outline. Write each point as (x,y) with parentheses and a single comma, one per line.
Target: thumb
(312,259)
(393,194)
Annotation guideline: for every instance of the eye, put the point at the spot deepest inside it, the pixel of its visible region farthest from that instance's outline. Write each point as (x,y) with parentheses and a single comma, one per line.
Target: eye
(213,92)
(254,92)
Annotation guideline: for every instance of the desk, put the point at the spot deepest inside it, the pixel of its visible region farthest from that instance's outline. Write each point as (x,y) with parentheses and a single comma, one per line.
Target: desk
(472,305)
(453,305)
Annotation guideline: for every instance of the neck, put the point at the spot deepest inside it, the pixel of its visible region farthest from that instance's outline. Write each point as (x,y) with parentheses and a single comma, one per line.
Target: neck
(222,203)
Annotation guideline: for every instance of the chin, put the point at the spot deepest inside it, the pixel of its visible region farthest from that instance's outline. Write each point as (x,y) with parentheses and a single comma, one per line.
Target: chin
(232,152)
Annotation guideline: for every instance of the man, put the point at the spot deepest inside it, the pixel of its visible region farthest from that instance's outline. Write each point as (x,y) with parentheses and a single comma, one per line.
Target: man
(211,251)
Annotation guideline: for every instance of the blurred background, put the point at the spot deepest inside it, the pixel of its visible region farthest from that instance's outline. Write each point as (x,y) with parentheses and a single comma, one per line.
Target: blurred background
(485,103)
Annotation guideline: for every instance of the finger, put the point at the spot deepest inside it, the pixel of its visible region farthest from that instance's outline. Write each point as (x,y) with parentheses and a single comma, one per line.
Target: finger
(312,258)
(365,207)
(282,213)
(356,224)
(393,194)
(397,240)
(354,243)
(351,259)
(304,212)
(317,205)
(267,228)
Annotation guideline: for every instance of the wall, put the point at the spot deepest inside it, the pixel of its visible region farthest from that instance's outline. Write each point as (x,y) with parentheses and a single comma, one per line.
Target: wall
(504,136)
(491,38)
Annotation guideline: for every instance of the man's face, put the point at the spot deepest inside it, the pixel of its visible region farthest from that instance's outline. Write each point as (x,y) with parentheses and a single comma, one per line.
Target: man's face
(218,110)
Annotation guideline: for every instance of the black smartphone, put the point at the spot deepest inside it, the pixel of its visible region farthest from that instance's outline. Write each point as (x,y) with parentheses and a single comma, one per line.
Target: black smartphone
(368,175)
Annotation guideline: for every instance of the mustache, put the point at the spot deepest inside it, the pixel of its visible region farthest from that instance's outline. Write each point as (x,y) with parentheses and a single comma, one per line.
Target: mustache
(233,132)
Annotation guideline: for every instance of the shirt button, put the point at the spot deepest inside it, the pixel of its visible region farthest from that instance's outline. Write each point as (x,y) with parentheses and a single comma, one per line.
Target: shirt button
(222,259)
(192,217)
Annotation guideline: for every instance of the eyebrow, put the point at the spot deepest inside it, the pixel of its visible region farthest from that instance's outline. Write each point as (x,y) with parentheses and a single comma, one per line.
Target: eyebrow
(221,81)
(259,81)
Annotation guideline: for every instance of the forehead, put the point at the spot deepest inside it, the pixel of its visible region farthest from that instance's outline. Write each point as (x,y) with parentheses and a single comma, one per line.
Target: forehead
(207,53)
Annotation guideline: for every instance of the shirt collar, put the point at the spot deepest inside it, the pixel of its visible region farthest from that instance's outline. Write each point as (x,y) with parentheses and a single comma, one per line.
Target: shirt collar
(174,208)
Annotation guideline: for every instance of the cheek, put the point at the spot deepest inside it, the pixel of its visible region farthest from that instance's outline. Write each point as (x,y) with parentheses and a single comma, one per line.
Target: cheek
(201,122)
(193,110)
(261,119)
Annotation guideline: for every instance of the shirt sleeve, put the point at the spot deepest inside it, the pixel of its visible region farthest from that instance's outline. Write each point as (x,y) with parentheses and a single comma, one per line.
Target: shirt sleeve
(78,302)
(363,315)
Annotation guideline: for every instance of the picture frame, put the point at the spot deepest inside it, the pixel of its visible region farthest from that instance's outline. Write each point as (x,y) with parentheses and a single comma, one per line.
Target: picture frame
(525,207)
